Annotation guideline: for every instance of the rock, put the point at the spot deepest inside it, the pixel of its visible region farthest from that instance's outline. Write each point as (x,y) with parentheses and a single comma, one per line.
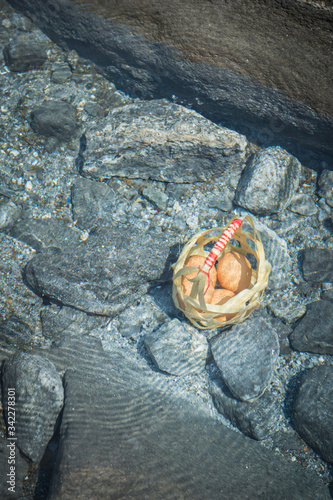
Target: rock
(325,183)
(157,197)
(61,74)
(245,356)
(303,204)
(314,333)
(56,321)
(39,398)
(177,348)
(268,182)
(9,212)
(15,334)
(317,265)
(160,141)
(257,420)
(128,263)
(24,53)
(54,119)
(287,308)
(313,410)
(21,471)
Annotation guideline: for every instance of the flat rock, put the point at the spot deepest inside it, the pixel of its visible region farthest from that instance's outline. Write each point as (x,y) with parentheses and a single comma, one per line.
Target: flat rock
(105,273)
(177,348)
(24,53)
(57,320)
(288,308)
(39,397)
(245,356)
(15,334)
(314,333)
(54,119)
(268,182)
(313,410)
(257,420)
(325,184)
(317,265)
(303,204)
(161,141)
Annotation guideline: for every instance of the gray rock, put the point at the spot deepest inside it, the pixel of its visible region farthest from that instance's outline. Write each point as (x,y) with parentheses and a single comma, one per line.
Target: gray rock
(160,141)
(287,308)
(15,334)
(157,197)
(317,265)
(39,398)
(107,272)
(177,348)
(257,420)
(58,320)
(9,212)
(325,183)
(24,53)
(21,471)
(303,204)
(61,74)
(314,333)
(268,182)
(313,410)
(245,356)
(54,119)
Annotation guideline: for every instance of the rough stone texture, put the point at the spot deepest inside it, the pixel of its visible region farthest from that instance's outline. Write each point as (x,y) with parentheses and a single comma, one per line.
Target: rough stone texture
(14,334)
(313,410)
(131,436)
(177,348)
(179,49)
(303,204)
(103,274)
(57,320)
(24,53)
(161,141)
(257,420)
(268,182)
(325,183)
(288,309)
(314,333)
(61,74)
(9,212)
(54,119)
(39,398)
(245,356)
(21,471)
(317,265)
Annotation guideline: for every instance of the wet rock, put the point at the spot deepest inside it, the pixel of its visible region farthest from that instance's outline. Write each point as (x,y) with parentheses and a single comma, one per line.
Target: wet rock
(177,348)
(21,471)
(105,273)
(268,182)
(160,141)
(313,410)
(157,197)
(314,333)
(15,334)
(303,204)
(325,183)
(39,398)
(9,212)
(287,308)
(24,53)
(245,356)
(317,265)
(54,119)
(257,420)
(61,74)
(59,320)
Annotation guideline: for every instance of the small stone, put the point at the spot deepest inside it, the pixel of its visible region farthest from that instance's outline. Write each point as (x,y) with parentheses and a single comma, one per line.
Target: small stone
(317,265)
(54,119)
(39,397)
(268,182)
(9,212)
(287,309)
(303,204)
(24,54)
(245,356)
(313,409)
(61,74)
(157,197)
(325,183)
(177,348)
(314,333)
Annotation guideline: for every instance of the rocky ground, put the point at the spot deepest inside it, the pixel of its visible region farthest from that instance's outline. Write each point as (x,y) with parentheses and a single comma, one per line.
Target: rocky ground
(98,194)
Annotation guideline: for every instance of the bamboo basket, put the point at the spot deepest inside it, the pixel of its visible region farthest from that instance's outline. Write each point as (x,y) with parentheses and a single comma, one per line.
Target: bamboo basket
(204,315)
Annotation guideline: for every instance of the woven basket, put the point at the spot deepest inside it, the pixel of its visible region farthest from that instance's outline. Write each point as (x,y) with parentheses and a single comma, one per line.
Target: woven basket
(238,308)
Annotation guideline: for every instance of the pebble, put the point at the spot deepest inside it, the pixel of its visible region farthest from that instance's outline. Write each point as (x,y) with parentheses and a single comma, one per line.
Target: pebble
(317,265)
(325,183)
(56,119)
(24,54)
(9,212)
(303,204)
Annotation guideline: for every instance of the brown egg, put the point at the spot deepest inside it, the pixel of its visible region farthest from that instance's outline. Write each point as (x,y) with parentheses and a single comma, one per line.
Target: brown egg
(198,261)
(220,297)
(234,272)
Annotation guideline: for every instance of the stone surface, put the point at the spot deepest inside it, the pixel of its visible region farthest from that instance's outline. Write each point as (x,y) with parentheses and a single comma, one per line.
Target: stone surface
(314,333)
(57,320)
(325,183)
(61,74)
(317,265)
(268,182)
(24,53)
(73,276)
(9,212)
(245,356)
(303,204)
(313,410)
(54,119)
(156,196)
(39,397)
(288,309)
(161,141)
(257,420)
(21,471)
(178,50)
(15,334)
(177,348)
